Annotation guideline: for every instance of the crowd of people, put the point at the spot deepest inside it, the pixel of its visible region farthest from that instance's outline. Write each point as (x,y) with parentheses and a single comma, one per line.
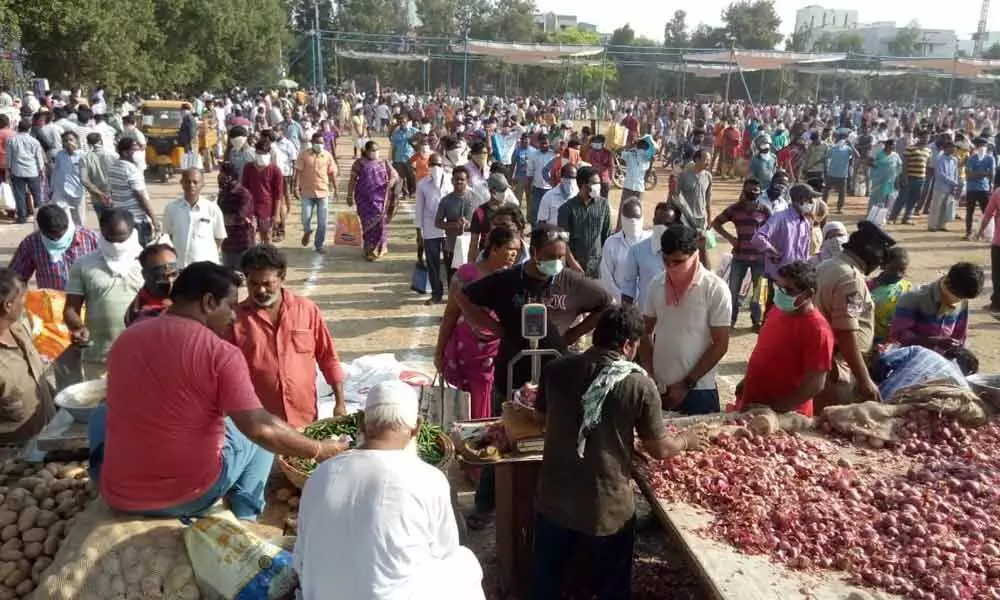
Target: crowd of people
(511,206)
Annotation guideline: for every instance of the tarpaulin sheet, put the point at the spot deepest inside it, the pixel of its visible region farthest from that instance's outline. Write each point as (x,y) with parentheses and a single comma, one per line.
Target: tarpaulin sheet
(525,52)
(761,59)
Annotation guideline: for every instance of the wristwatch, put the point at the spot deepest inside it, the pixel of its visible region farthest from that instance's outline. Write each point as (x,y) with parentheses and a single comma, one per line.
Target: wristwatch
(689,382)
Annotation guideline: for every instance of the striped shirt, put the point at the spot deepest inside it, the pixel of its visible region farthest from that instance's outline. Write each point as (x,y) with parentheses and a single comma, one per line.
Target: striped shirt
(31,258)
(915,158)
(125,180)
(920,313)
(747,219)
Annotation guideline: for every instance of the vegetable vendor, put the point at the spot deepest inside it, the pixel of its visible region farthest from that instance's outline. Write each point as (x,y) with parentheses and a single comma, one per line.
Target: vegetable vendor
(283,337)
(182,427)
(378,522)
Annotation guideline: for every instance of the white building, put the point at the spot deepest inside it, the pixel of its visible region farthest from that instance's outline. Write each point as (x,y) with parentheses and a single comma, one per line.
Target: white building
(551,22)
(815,21)
(819,19)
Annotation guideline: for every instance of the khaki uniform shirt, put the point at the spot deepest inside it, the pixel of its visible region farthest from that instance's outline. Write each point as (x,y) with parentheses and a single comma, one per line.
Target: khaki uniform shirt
(842,296)
(25,397)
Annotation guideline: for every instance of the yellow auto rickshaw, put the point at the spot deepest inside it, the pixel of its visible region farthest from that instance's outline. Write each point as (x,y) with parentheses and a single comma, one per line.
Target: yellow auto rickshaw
(161,121)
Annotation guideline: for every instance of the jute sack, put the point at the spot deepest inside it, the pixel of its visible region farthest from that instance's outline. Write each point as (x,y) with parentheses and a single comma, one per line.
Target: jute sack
(112,556)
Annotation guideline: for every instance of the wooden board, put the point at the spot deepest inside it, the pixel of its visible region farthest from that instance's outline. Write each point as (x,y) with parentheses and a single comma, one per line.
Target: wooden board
(63,433)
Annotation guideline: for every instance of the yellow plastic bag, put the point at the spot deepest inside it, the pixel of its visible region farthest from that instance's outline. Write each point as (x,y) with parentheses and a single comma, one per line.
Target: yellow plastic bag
(348,231)
(231,563)
(44,312)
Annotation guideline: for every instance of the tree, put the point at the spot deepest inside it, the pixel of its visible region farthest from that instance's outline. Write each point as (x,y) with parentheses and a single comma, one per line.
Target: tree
(798,41)
(81,42)
(623,36)
(907,41)
(993,52)
(752,24)
(839,42)
(709,37)
(675,34)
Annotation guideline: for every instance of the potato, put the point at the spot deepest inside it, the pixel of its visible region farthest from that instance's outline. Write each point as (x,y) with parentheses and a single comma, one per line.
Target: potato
(117,584)
(65,495)
(38,569)
(11,554)
(188,592)
(73,472)
(41,492)
(16,500)
(32,550)
(152,586)
(36,534)
(29,483)
(24,588)
(7,593)
(6,568)
(53,467)
(45,476)
(8,517)
(45,519)
(8,532)
(66,508)
(14,579)
(51,545)
(178,577)
(27,518)
(12,544)
(59,485)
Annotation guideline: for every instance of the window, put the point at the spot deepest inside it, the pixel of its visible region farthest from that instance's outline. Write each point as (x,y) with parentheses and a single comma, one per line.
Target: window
(845,19)
(812,21)
(824,19)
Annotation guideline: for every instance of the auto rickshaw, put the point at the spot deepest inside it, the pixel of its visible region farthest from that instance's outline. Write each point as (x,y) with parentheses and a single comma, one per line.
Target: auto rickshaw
(161,121)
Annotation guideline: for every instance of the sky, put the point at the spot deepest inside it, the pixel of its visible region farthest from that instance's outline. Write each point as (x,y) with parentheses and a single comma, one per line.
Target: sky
(647,18)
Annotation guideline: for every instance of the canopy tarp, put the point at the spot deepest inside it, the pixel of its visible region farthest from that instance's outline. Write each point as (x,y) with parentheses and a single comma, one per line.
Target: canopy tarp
(970,68)
(700,70)
(382,56)
(762,59)
(511,52)
(848,72)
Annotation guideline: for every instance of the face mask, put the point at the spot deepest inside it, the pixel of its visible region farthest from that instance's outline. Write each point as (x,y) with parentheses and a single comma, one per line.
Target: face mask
(980,152)
(597,146)
(784,301)
(56,248)
(632,227)
(807,208)
(658,231)
(262,160)
(120,256)
(425,150)
(239,142)
(425,128)
(595,190)
(317,148)
(550,268)
(498,196)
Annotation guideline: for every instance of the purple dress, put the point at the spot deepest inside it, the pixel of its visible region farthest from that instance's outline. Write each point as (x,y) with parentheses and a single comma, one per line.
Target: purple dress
(370,196)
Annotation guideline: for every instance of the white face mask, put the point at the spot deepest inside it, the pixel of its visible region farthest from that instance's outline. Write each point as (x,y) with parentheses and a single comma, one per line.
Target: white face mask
(632,227)
(658,231)
(426,128)
(807,208)
(981,151)
(262,160)
(239,142)
(595,190)
(425,150)
(597,145)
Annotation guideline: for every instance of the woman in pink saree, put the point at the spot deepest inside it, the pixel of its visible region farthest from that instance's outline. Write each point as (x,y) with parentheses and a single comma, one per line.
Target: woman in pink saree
(464,355)
(369,188)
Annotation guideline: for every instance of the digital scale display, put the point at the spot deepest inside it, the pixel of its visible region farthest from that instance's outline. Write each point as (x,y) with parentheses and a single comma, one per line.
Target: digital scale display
(534,321)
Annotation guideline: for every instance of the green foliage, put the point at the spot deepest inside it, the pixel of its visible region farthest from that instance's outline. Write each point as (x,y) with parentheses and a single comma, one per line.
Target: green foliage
(840,42)
(906,42)
(753,24)
(675,33)
(992,53)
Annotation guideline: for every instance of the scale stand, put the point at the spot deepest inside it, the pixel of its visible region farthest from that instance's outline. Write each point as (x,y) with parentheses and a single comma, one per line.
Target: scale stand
(534,328)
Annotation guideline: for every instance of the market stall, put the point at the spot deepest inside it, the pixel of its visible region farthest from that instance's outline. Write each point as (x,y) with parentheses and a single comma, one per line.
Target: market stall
(866,501)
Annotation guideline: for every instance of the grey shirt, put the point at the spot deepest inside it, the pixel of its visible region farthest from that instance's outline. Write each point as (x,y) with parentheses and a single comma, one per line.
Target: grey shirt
(453,207)
(24,156)
(693,191)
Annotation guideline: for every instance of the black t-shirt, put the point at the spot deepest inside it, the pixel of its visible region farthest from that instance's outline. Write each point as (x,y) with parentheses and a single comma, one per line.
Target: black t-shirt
(566,296)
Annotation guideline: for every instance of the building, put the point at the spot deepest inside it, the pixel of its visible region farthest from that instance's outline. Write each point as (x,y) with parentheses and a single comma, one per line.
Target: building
(989,39)
(814,21)
(551,22)
(819,19)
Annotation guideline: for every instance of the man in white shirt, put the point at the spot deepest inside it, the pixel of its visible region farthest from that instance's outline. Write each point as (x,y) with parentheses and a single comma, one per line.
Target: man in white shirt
(194,224)
(429,192)
(552,200)
(536,171)
(688,310)
(396,511)
(637,161)
(616,247)
(107,131)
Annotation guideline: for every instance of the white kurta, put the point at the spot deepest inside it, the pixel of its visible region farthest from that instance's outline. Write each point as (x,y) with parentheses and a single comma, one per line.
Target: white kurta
(613,256)
(379,525)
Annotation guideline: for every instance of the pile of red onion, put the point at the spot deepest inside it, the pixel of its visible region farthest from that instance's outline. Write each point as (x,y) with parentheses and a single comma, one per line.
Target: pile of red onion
(920,518)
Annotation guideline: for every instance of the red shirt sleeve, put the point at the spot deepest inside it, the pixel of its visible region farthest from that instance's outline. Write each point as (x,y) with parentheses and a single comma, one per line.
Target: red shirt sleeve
(277,185)
(817,353)
(234,388)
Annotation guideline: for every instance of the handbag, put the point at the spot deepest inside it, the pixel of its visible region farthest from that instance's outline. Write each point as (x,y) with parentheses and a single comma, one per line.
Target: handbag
(191,160)
(420,281)
(7,196)
(442,405)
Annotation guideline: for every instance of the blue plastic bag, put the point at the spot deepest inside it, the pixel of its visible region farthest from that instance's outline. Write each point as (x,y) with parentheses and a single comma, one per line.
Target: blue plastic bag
(419,281)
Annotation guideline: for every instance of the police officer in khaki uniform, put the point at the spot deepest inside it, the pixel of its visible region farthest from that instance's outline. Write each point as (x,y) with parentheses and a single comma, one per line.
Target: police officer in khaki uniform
(842,296)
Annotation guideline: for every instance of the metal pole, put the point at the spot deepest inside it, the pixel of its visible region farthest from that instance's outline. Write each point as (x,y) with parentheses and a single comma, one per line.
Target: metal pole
(951,80)
(465,70)
(600,101)
(320,75)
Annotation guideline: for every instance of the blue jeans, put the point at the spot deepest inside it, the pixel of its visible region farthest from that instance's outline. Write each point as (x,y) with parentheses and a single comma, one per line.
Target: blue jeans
(700,402)
(737,272)
(21,186)
(555,546)
(242,480)
(433,256)
(321,208)
(910,198)
(534,203)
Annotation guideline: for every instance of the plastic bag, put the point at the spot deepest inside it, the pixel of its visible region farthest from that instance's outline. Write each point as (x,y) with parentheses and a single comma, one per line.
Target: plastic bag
(877,215)
(362,374)
(44,312)
(461,255)
(988,230)
(7,196)
(419,280)
(231,563)
(348,232)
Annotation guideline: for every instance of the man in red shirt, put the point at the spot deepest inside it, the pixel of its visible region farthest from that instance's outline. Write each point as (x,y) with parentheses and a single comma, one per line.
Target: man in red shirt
(794,351)
(182,427)
(266,184)
(631,124)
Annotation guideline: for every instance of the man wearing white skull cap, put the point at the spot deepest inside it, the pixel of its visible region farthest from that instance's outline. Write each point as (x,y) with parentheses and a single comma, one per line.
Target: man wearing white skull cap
(377,523)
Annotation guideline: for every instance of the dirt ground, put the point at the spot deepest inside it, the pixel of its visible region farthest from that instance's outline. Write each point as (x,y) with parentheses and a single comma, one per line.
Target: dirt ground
(370,309)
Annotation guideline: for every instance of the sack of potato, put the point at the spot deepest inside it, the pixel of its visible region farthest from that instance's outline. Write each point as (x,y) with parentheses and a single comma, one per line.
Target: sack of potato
(38,505)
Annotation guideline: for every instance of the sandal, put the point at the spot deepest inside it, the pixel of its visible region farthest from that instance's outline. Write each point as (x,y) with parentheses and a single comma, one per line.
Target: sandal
(478,521)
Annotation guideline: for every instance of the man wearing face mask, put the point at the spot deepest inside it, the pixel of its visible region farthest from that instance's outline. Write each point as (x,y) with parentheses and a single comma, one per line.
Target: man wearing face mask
(587,219)
(283,337)
(763,164)
(843,297)
(454,216)
(616,247)
(502,144)
(520,158)
(128,191)
(553,199)
(401,141)
(159,270)
(539,186)
(239,154)
(688,310)
(105,282)
(643,262)
(316,180)
(747,216)
(601,159)
(266,185)
(482,216)
(775,197)
(430,191)
(786,235)
(794,351)
(544,279)
(94,168)
(49,253)
(67,186)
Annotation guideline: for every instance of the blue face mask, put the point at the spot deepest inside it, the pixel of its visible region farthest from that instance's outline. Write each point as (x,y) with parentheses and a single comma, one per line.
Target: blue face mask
(550,268)
(784,301)
(56,248)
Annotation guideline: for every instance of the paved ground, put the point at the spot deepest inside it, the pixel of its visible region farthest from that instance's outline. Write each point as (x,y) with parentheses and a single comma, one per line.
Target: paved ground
(370,309)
